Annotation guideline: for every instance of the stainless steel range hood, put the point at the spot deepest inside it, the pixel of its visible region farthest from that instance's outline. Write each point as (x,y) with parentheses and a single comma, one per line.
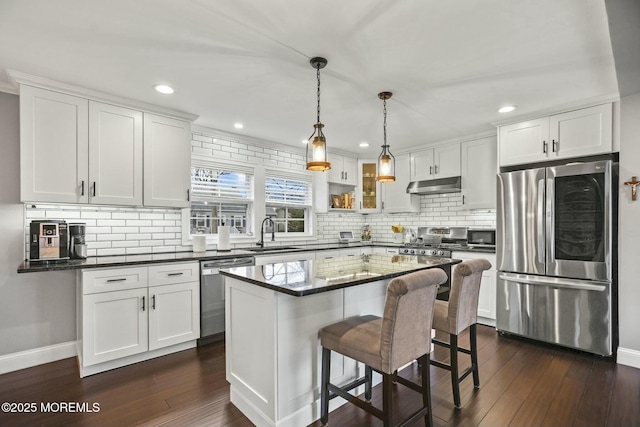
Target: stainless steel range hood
(435,186)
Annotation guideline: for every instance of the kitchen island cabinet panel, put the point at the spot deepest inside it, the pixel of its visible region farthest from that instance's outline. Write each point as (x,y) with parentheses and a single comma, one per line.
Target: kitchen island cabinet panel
(487,297)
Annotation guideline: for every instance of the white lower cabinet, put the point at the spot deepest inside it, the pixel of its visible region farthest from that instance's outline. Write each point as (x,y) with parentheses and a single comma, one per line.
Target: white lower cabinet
(487,297)
(130,314)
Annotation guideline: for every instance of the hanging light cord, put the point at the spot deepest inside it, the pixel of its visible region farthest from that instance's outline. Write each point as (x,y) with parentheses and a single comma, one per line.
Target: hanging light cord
(318,75)
(384,126)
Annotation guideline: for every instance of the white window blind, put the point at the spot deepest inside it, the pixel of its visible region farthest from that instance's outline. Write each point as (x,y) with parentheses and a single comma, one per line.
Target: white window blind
(287,189)
(210,181)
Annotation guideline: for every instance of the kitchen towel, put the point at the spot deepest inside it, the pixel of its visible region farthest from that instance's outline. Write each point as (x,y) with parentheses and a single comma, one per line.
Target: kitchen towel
(223,237)
(199,243)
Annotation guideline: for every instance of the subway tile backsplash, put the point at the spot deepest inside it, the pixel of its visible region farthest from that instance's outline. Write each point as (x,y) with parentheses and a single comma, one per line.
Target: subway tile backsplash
(130,230)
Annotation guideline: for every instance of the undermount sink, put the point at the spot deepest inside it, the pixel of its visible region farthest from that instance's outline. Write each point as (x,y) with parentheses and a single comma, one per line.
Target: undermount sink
(273,249)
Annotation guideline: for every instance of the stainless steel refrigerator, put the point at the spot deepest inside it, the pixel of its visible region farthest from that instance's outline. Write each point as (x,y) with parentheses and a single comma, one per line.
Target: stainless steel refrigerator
(555,255)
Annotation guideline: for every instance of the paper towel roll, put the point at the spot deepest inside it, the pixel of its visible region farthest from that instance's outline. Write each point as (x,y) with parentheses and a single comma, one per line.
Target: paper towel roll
(223,237)
(199,243)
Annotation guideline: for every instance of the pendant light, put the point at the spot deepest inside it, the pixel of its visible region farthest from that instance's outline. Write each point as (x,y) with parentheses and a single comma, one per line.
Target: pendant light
(386,160)
(317,160)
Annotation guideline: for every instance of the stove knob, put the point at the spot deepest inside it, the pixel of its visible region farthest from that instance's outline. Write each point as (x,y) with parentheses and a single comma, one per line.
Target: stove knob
(432,252)
(441,253)
(412,251)
(422,252)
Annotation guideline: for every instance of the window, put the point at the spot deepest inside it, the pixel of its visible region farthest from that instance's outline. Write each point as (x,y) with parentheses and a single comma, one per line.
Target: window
(288,201)
(220,195)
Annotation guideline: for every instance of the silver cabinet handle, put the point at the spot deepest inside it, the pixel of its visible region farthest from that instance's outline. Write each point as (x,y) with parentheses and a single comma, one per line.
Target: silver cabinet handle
(94,189)
(153,302)
(554,147)
(82,188)
(544,147)
(435,169)
(345,175)
(143,308)
(430,170)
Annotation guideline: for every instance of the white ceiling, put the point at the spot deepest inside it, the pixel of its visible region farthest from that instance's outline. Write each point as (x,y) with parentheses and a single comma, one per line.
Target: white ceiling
(450,64)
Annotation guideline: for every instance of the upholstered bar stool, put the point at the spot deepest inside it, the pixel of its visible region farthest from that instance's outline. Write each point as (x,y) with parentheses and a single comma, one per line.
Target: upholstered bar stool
(385,344)
(456,315)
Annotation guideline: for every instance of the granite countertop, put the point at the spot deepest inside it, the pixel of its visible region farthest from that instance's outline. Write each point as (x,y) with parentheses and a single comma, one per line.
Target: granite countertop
(308,277)
(130,260)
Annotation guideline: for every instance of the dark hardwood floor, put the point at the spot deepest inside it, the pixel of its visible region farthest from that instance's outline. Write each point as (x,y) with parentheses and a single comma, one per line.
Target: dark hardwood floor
(522,384)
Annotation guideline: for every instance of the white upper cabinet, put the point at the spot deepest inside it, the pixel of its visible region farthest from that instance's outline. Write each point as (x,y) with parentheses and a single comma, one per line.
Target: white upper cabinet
(167,161)
(478,171)
(442,161)
(572,134)
(344,170)
(368,198)
(395,198)
(115,155)
(53,147)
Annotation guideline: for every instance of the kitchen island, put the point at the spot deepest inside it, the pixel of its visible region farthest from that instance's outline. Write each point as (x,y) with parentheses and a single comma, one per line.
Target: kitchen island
(273,314)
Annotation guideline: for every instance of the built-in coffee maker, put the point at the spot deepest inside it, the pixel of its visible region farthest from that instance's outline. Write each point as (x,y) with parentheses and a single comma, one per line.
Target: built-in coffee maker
(77,242)
(48,240)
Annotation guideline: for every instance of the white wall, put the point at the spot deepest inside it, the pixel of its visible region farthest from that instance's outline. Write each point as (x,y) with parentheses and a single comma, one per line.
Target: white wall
(629,233)
(36,309)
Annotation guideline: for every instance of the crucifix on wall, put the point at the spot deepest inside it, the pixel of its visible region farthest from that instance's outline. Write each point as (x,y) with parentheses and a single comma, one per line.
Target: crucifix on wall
(633,183)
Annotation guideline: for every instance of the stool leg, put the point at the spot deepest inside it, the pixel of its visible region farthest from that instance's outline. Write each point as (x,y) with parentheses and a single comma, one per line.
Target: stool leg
(474,356)
(387,390)
(426,388)
(324,386)
(368,375)
(453,354)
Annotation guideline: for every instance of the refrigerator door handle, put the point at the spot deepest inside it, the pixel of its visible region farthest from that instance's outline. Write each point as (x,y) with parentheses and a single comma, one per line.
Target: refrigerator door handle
(555,282)
(540,250)
(550,232)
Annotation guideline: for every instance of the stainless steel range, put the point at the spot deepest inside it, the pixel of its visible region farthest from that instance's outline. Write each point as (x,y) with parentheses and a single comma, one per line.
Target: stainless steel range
(436,241)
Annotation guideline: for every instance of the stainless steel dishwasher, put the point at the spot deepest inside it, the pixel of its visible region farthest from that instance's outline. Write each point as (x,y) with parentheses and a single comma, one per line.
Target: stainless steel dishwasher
(212,296)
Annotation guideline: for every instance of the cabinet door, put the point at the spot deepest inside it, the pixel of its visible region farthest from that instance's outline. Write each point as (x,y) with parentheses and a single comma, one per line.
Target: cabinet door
(524,142)
(115,155)
(167,162)
(487,296)
(478,161)
(174,314)
(336,173)
(53,147)
(582,132)
(114,325)
(395,197)
(446,160)
(350,168)
(368,188)
(422,165)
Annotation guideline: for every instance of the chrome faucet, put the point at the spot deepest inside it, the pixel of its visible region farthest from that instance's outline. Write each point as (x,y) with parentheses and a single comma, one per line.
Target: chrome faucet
(273,233)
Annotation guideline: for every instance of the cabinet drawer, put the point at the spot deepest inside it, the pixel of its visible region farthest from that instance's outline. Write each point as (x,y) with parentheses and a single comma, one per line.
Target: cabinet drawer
(113,279)
(166,274)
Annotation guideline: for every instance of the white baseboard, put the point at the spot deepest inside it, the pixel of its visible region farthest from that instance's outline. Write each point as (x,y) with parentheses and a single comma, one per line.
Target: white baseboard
(628,357)
(37,356)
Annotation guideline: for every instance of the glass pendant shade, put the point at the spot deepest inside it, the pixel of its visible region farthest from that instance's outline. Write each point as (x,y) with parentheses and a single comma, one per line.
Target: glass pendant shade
(386,160)
(317,159)
(317,144)
(386,166)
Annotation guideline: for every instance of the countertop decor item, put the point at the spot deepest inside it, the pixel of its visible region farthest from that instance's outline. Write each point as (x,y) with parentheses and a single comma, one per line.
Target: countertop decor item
(365,235)
(386,161)
(317,161)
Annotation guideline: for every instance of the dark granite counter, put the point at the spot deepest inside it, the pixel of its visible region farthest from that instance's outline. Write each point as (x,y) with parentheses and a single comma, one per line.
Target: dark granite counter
(300,278)
(128,260)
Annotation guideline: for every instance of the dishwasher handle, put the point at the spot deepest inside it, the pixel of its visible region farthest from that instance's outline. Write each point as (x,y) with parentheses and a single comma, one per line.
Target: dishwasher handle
(212,267)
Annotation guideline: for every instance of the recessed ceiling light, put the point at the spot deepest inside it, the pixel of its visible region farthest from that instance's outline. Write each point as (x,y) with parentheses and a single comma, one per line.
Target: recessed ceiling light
(364,144)
(238,125)
(164,89)
(507,109)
